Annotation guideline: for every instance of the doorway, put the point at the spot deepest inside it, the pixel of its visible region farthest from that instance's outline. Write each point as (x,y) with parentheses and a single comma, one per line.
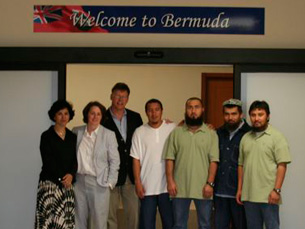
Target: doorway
(215,89)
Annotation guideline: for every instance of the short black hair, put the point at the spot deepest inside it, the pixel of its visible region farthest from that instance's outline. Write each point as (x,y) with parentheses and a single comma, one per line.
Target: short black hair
(194,98)
(240,110)
(257,104)
(88,107)
(59,105)
(153,101)
(121,87)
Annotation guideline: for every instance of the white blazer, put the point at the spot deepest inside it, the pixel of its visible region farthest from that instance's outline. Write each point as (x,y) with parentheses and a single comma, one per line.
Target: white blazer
(106,155)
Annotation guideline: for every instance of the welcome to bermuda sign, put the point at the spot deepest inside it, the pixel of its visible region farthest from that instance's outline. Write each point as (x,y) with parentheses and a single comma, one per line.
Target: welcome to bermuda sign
(138,19)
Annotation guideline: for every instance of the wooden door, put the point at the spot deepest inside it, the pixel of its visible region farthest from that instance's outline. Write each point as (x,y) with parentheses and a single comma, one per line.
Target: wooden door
(216,88)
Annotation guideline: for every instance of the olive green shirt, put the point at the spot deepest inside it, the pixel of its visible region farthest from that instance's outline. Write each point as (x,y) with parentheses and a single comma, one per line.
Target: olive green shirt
(259,156)
(192,154)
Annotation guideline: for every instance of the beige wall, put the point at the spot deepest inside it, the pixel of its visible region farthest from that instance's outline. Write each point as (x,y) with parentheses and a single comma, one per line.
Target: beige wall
(171,84)
(284,26)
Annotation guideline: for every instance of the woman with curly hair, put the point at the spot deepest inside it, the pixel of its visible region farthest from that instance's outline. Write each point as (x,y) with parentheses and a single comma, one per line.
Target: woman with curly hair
(55,199)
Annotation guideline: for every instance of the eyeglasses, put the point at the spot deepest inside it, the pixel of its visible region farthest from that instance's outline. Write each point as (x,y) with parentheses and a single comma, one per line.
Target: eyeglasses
(120,97)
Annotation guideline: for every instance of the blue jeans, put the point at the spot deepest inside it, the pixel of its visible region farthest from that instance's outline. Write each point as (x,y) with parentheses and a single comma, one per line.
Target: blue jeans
(227,210)
(262,213)
(148,211)
(181,208)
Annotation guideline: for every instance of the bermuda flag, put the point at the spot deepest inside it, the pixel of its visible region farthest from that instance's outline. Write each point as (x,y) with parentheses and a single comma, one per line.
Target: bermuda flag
(61,19)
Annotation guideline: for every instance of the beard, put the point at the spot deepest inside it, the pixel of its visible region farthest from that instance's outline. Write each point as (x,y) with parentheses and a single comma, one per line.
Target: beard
(259,129)
(232,126)
(193,121)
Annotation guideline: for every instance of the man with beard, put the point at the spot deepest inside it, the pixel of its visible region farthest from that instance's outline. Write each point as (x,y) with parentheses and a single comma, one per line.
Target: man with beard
(226,208)
(191,154)
(264,155)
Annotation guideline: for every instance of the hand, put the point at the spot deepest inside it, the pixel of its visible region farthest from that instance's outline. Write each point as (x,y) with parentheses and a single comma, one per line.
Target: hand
(238,198)
(168,121)
(181,123)
(172,188)
(210,126)
(67,180)
(274,197)
(207,191)
(140,191)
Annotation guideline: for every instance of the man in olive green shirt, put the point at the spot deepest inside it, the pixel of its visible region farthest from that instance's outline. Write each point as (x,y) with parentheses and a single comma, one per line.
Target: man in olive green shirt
(264,155)
(191,154)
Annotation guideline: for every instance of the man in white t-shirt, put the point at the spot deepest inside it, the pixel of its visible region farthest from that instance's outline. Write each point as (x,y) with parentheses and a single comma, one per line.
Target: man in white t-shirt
(149,167)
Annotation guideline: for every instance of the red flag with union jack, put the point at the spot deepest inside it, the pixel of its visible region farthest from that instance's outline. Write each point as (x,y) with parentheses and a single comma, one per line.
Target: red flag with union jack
(59,19)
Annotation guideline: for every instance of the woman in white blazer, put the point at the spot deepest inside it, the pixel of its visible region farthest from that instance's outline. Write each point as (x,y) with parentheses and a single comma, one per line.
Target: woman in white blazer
(98,164)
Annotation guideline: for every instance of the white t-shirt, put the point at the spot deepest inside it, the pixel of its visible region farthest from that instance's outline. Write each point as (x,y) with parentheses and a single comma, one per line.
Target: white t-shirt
(147,146)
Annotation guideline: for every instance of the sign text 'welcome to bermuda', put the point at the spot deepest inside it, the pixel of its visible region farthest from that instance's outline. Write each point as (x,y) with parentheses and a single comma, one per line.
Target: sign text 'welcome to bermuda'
(124,19)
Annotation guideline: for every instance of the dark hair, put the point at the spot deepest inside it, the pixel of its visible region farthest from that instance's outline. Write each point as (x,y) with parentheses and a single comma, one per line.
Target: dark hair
(121,87)
(194,98)
(259,105)
(153,101)
(88,107)
(240,110)
(59,105)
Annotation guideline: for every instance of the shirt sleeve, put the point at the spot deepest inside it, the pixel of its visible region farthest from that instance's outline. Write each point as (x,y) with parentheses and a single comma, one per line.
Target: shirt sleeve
(135,150)
(73,167)
(214,150)
(49,162)
(241,152)
(169,150)
(281,151)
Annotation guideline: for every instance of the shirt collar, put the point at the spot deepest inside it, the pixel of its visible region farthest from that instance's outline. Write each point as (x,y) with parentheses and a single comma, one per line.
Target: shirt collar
(94,132)
(113,115)
(238,128)
(202,128)
(266,131)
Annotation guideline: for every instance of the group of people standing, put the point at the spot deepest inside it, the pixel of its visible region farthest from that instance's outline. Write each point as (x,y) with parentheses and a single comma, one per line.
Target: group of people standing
(114,158)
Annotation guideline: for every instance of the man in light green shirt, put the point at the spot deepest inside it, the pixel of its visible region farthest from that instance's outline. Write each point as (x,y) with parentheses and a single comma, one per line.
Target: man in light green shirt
(191,154)
(264,155)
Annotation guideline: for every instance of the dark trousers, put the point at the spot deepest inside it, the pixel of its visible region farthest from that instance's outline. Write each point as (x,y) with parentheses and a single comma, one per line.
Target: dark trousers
(259,214)
(227,210)
(181,207)
(148,211)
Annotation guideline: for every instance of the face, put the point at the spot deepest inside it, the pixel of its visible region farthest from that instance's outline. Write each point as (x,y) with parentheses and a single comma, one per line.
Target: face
(193,113)
(119,99)
(259,119)
(232,117)
(62,117)
(94,116)
(154,113)
(194,109)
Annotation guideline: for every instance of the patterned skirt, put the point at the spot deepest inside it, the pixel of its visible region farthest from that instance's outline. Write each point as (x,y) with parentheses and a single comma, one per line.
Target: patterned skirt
(55,207)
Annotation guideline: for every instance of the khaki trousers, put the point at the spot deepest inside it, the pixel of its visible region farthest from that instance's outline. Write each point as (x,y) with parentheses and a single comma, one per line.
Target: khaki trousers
(127,195)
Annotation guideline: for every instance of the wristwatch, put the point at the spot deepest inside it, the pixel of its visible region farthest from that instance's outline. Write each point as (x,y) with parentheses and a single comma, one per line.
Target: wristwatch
(212,184)
(277,190)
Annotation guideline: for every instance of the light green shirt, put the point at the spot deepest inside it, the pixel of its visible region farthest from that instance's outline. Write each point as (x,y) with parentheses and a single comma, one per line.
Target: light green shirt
(192,153)
(259,156)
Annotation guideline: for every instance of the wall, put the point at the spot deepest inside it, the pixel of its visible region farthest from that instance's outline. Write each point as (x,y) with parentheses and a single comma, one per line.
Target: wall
(173,85)
(284,26)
